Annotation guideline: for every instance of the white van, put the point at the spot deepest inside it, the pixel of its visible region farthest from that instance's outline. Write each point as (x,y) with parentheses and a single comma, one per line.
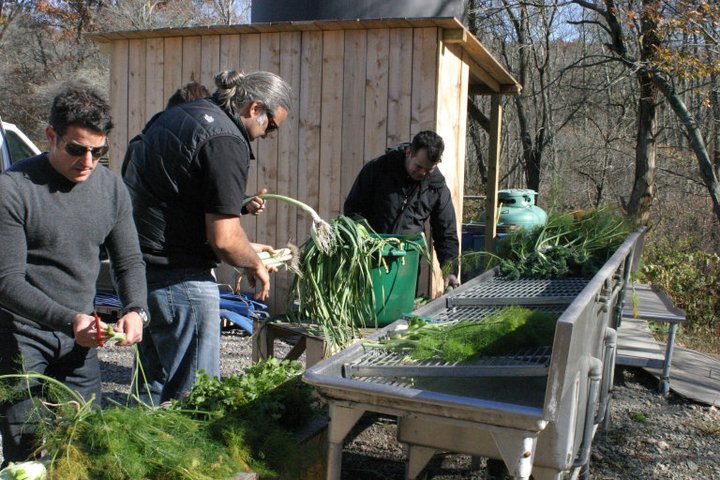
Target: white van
(14,145)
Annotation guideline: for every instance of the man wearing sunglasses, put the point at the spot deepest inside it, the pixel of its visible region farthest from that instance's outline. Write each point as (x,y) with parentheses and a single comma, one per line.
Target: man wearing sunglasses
(57,210)
(187,174)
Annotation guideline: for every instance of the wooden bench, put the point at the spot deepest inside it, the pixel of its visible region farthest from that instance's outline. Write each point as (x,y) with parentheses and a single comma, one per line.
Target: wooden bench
(636,345)
(265,333)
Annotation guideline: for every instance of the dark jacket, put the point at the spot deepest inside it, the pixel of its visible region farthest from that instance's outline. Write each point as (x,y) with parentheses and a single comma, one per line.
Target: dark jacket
(392,202)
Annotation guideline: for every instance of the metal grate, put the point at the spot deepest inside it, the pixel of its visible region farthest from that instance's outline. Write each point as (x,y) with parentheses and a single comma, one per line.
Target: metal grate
(501,291)
(526,288)
(380,363)
(475,304)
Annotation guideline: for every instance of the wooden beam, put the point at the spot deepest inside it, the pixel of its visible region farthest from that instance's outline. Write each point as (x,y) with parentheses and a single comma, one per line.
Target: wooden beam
(479,72)
(479,88)
(455,36)
(493,172)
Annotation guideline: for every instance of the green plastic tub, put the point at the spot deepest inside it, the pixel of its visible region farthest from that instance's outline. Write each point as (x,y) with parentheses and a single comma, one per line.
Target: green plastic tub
(395,278)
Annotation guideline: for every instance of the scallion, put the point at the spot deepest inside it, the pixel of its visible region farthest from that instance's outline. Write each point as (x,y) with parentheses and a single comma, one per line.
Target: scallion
(322,233)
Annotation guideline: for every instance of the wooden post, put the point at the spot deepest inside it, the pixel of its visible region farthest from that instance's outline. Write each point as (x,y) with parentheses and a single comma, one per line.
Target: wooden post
(493,173)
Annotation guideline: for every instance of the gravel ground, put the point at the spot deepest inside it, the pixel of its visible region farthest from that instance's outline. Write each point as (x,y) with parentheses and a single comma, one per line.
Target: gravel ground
(650,436)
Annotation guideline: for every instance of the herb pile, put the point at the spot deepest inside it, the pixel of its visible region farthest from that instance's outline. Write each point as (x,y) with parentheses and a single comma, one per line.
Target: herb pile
(569,245)
(335,286)
(333,281)
(504,332)
(223,427)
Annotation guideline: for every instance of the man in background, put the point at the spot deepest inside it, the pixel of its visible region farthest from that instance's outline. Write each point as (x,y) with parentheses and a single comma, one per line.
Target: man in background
(399,191)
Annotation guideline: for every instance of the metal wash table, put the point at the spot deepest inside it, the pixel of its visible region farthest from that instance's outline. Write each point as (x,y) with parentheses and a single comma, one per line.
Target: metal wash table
(537,411)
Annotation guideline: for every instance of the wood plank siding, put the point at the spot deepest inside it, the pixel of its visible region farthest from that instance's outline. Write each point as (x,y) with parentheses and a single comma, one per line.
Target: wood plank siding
(359,87)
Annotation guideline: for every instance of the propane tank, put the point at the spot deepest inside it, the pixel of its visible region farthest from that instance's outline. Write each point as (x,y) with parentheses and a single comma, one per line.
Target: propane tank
(517,207)
(541,215)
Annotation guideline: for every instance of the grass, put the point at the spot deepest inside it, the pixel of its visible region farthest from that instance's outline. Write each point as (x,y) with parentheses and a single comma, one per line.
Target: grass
(691,278)
(639,418)
(702,340)
(710,429)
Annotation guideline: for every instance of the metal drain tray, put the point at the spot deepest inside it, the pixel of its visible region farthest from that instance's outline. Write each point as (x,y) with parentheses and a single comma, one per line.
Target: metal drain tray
(475,303)
(380,364)
(526,292)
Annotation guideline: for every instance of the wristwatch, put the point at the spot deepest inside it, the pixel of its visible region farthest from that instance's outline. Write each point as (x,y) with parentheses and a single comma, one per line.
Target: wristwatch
(140,311)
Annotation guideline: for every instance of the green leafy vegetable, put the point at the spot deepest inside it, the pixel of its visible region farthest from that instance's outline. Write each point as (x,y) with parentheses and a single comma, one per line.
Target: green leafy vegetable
(505,332)
(248,426)
(24,471)
(269,389)
(335,287)
(569,245)
(114,335)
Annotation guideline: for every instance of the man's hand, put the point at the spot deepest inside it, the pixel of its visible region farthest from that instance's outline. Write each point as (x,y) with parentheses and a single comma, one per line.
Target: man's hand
(257,204)
(259,273)
(227,238)
(451,281)
(261,247)
(86,332)
(131,325)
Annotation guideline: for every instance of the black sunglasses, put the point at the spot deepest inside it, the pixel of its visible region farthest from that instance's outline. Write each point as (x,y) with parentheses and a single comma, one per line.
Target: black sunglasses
(77,150)
(272,126)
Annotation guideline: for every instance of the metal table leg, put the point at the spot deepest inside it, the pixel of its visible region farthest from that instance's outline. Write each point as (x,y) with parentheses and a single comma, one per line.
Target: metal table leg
(665,379)
(342,420)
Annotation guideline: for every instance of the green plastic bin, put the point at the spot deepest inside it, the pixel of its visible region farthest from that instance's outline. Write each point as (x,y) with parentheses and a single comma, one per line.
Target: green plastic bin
(395,280)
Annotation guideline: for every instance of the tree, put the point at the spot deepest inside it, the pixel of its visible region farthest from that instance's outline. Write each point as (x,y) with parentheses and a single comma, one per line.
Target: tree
(9,12)
(42,44)
(657,65)
(230,11)
(149,14)
(527,36)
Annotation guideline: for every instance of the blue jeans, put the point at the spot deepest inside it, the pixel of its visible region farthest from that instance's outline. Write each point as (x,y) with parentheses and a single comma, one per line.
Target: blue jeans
(183,336)
(28,349)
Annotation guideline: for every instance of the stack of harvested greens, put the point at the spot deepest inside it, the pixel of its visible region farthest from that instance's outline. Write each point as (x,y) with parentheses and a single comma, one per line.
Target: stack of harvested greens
(333,281)
(505,332)
(335,286)
(570,245)
(224,427)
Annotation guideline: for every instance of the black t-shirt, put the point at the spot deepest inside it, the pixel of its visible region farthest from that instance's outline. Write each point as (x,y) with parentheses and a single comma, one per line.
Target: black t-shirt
(225,175)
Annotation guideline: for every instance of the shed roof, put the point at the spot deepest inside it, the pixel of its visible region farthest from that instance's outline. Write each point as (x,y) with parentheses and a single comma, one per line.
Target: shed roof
(485,70)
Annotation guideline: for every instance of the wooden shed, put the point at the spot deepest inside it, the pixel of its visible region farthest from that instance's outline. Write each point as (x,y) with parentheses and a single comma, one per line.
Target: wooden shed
(360,86)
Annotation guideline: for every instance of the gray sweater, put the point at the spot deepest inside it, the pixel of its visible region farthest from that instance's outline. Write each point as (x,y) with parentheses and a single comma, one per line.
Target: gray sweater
(51,233)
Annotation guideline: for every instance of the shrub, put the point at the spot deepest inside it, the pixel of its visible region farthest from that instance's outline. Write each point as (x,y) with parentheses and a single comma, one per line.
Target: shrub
(690,277)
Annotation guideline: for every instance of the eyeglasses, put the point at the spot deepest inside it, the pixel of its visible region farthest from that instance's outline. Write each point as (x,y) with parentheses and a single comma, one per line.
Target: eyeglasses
(272,126)
(77,150)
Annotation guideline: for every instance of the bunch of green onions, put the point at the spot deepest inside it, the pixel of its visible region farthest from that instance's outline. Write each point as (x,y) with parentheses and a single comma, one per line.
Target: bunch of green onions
(322,233)
(335,287)
(333,282)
